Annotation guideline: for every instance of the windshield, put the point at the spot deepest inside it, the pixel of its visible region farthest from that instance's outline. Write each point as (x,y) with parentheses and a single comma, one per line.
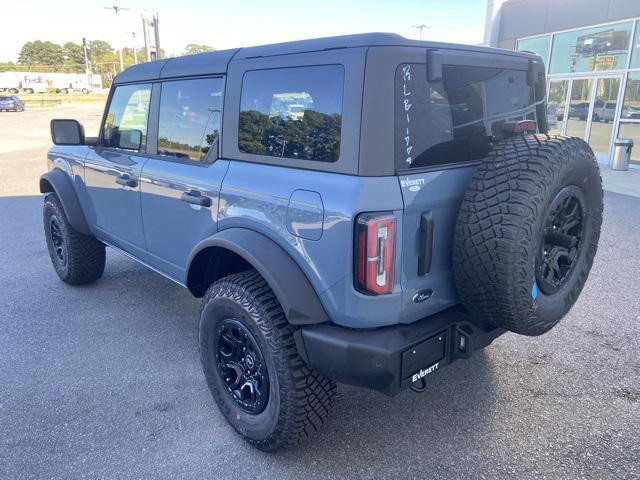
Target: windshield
(5,98)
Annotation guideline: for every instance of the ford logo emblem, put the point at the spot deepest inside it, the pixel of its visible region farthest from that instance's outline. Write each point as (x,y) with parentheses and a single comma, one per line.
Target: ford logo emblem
(422,295)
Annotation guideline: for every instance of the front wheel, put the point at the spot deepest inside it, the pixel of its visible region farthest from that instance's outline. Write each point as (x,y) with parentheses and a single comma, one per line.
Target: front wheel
(252,366)
(77,259)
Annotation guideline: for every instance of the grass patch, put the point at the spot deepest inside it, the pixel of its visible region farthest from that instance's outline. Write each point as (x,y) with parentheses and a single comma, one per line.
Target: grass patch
(47,100)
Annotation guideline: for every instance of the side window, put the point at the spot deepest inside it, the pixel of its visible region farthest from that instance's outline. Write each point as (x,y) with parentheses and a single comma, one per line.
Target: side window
(190,112)
(126,122)
(292,112)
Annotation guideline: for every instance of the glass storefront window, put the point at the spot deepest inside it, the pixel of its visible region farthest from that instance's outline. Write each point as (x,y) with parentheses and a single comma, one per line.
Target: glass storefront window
(591,49)
(539,45)
(604,113)
(632,131)
(556,100)
(635,49)
(631,105)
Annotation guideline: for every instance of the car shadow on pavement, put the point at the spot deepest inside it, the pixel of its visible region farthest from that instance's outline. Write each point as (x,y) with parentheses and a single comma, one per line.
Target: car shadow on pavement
(124,352)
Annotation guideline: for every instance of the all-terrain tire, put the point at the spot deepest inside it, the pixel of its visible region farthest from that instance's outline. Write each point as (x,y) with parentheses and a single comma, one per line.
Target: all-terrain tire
(505,223)
(77,259)
(299,399)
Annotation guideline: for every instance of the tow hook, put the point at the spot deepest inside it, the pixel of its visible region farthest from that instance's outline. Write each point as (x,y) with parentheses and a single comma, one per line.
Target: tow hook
(419,389)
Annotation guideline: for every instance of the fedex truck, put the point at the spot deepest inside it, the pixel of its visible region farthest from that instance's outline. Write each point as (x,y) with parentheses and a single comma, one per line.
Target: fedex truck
(35,82)
(72,82)
(31,82)
(27,82)
(9,82)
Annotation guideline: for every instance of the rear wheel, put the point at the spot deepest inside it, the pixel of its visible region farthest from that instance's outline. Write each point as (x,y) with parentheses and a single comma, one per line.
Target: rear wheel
(252,366)
(527,232)
(76,258)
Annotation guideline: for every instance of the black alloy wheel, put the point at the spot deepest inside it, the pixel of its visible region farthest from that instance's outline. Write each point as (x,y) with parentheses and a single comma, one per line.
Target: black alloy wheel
(57,241)
(561,240)
(241,366)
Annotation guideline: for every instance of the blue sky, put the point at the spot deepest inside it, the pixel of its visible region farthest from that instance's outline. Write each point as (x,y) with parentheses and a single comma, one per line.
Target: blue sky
(227,24)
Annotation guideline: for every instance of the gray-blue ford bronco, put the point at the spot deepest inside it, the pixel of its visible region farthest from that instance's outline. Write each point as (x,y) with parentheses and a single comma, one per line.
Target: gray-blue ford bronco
(362,209)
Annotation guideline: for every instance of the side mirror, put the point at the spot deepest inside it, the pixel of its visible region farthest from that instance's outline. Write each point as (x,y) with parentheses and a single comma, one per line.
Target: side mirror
(67,132)
(129,139)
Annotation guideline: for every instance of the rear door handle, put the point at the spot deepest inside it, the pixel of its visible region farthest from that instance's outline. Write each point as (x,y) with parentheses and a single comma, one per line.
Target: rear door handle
(126,181)
(426,249)
(196,198)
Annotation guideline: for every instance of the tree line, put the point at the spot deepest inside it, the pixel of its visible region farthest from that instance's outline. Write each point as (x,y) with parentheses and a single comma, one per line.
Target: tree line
(46,56)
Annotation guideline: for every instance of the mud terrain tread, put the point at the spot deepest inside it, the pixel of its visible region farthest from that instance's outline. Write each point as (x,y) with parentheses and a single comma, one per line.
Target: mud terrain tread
(306,396)
(85,254)
(497,221)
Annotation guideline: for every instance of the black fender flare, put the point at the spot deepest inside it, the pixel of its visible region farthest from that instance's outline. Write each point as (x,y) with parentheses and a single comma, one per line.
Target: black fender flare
(58,182)
(289,283)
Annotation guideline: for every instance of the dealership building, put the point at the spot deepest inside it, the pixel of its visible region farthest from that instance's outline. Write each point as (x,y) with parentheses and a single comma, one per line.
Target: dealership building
(591,49)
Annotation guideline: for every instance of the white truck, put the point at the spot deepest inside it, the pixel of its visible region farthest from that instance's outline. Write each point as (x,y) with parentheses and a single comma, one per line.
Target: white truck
(27,82)
(71,82)
(9,82)
(36,82)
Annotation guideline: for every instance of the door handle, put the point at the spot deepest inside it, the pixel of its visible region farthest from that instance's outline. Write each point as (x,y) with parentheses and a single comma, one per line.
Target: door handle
(196,198)
(126,181)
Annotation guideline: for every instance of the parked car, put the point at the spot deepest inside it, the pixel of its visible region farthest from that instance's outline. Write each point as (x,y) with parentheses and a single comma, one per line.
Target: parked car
(579,111)
(11,103)
(604,112)
(368,210)
(630,112)
(552,115)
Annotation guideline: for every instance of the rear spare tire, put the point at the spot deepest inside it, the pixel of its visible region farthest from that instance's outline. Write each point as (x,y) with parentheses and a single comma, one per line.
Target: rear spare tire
(527,232)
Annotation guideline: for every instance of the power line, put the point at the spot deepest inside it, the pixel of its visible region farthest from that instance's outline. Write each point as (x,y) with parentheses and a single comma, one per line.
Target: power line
(421,27)
(117,9)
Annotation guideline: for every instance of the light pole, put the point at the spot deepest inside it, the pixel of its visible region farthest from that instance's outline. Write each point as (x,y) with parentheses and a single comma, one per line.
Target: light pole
(421,27)
(117,9)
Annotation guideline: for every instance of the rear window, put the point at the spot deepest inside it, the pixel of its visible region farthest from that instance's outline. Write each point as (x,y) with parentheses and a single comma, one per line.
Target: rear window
(292,112)
(454,120)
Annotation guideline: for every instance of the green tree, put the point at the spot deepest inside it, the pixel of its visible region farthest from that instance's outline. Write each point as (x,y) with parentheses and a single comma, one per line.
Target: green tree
(73,53)
(99,49)
(7,67)
(41,53)
(192,48)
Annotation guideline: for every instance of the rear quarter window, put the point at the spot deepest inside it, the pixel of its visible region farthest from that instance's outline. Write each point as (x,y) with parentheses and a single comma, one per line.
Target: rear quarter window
(292,112)
(456,119)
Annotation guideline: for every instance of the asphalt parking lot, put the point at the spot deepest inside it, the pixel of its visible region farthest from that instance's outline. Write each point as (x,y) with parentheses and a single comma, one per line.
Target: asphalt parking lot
(104,381)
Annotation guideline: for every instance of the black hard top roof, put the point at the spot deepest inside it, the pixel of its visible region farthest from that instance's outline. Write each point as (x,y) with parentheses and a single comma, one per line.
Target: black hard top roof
(216,62)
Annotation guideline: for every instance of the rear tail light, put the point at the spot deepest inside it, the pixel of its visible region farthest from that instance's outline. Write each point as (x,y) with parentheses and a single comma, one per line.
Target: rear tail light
(375,247)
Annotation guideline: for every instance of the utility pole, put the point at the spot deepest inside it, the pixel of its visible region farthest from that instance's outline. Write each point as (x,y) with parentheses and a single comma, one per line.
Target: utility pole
(85,51)
(87,68)
(135,52)
(117,9)
(145,28)
(156,31)
(421,27)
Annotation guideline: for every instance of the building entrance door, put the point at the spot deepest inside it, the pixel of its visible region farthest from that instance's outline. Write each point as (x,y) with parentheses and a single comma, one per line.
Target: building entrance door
(585,108)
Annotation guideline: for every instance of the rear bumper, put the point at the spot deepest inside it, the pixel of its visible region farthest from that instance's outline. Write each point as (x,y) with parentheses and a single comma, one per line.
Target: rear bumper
(390,358)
